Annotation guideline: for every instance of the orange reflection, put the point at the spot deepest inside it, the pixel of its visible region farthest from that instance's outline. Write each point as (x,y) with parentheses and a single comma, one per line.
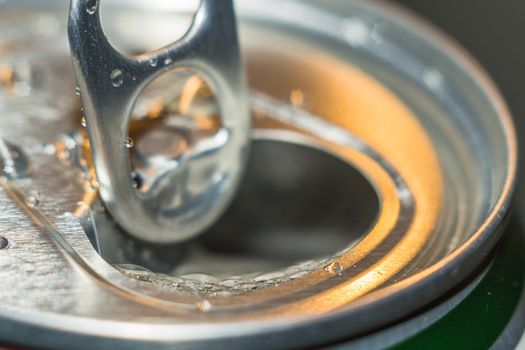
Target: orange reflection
(357,102)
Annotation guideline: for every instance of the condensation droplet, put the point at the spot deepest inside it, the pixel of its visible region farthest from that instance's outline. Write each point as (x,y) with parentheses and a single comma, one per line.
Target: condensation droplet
(433,78)
(154,61)
(129,142)
(91,6)
(77,91)
(204,306)
(168,61)
(33,200)
(4,243)
(9,169)
(355,31)
(334,267)
(138,181)
(117,78)
(94,183)
(13,162)
(83,122)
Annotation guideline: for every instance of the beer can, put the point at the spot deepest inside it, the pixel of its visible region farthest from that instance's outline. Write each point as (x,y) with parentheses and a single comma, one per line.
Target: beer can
(370,215)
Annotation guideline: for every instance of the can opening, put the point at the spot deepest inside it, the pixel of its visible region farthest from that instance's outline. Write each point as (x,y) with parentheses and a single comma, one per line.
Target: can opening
(296,203)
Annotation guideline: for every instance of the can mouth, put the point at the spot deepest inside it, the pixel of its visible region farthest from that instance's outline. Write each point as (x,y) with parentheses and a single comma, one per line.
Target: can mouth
(381,170)
(272,224)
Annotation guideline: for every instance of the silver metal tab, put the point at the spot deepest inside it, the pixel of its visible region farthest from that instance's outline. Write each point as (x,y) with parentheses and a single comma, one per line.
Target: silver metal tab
(110,83)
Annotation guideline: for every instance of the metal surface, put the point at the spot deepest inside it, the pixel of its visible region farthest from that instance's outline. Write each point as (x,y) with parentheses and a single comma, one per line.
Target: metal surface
(489,312)
(190,189)
(361,94)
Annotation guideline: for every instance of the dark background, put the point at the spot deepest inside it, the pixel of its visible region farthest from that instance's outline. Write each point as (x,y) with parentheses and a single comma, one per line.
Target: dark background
(494,32)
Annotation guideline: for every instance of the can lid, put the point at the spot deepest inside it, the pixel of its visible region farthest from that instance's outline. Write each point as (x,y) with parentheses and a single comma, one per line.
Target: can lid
(382,167)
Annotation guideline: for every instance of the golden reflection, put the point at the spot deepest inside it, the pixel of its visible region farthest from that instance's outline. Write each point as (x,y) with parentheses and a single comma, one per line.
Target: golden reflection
(156,108)
(192,106)
(190,91)
(357,102)
(90,184)
(297,98)
(198,102)
(7,77)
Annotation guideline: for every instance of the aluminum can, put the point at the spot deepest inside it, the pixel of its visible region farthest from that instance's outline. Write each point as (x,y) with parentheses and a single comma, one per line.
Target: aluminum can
(371,214)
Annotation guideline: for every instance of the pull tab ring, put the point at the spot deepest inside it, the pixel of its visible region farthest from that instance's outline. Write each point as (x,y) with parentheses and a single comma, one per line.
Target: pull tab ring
(110,83)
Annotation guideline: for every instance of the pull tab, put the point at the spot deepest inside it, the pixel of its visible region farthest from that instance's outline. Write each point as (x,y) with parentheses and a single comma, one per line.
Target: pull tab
(110,83)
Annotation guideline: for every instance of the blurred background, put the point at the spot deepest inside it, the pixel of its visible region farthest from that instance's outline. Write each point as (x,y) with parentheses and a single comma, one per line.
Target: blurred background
(493,32)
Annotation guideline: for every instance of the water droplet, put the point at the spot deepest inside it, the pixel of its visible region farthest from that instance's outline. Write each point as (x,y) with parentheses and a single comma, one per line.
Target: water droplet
(153,62)
(204,306)
(83,122)
(355,31)
(4,243)
(91,6)
(86,186)
(334,267)
(13,162)
(138,181)
(132,267)
(117,78)
(168,61)
(433,78)
(129,142)
(77,91)
(9,170)
(33,200)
